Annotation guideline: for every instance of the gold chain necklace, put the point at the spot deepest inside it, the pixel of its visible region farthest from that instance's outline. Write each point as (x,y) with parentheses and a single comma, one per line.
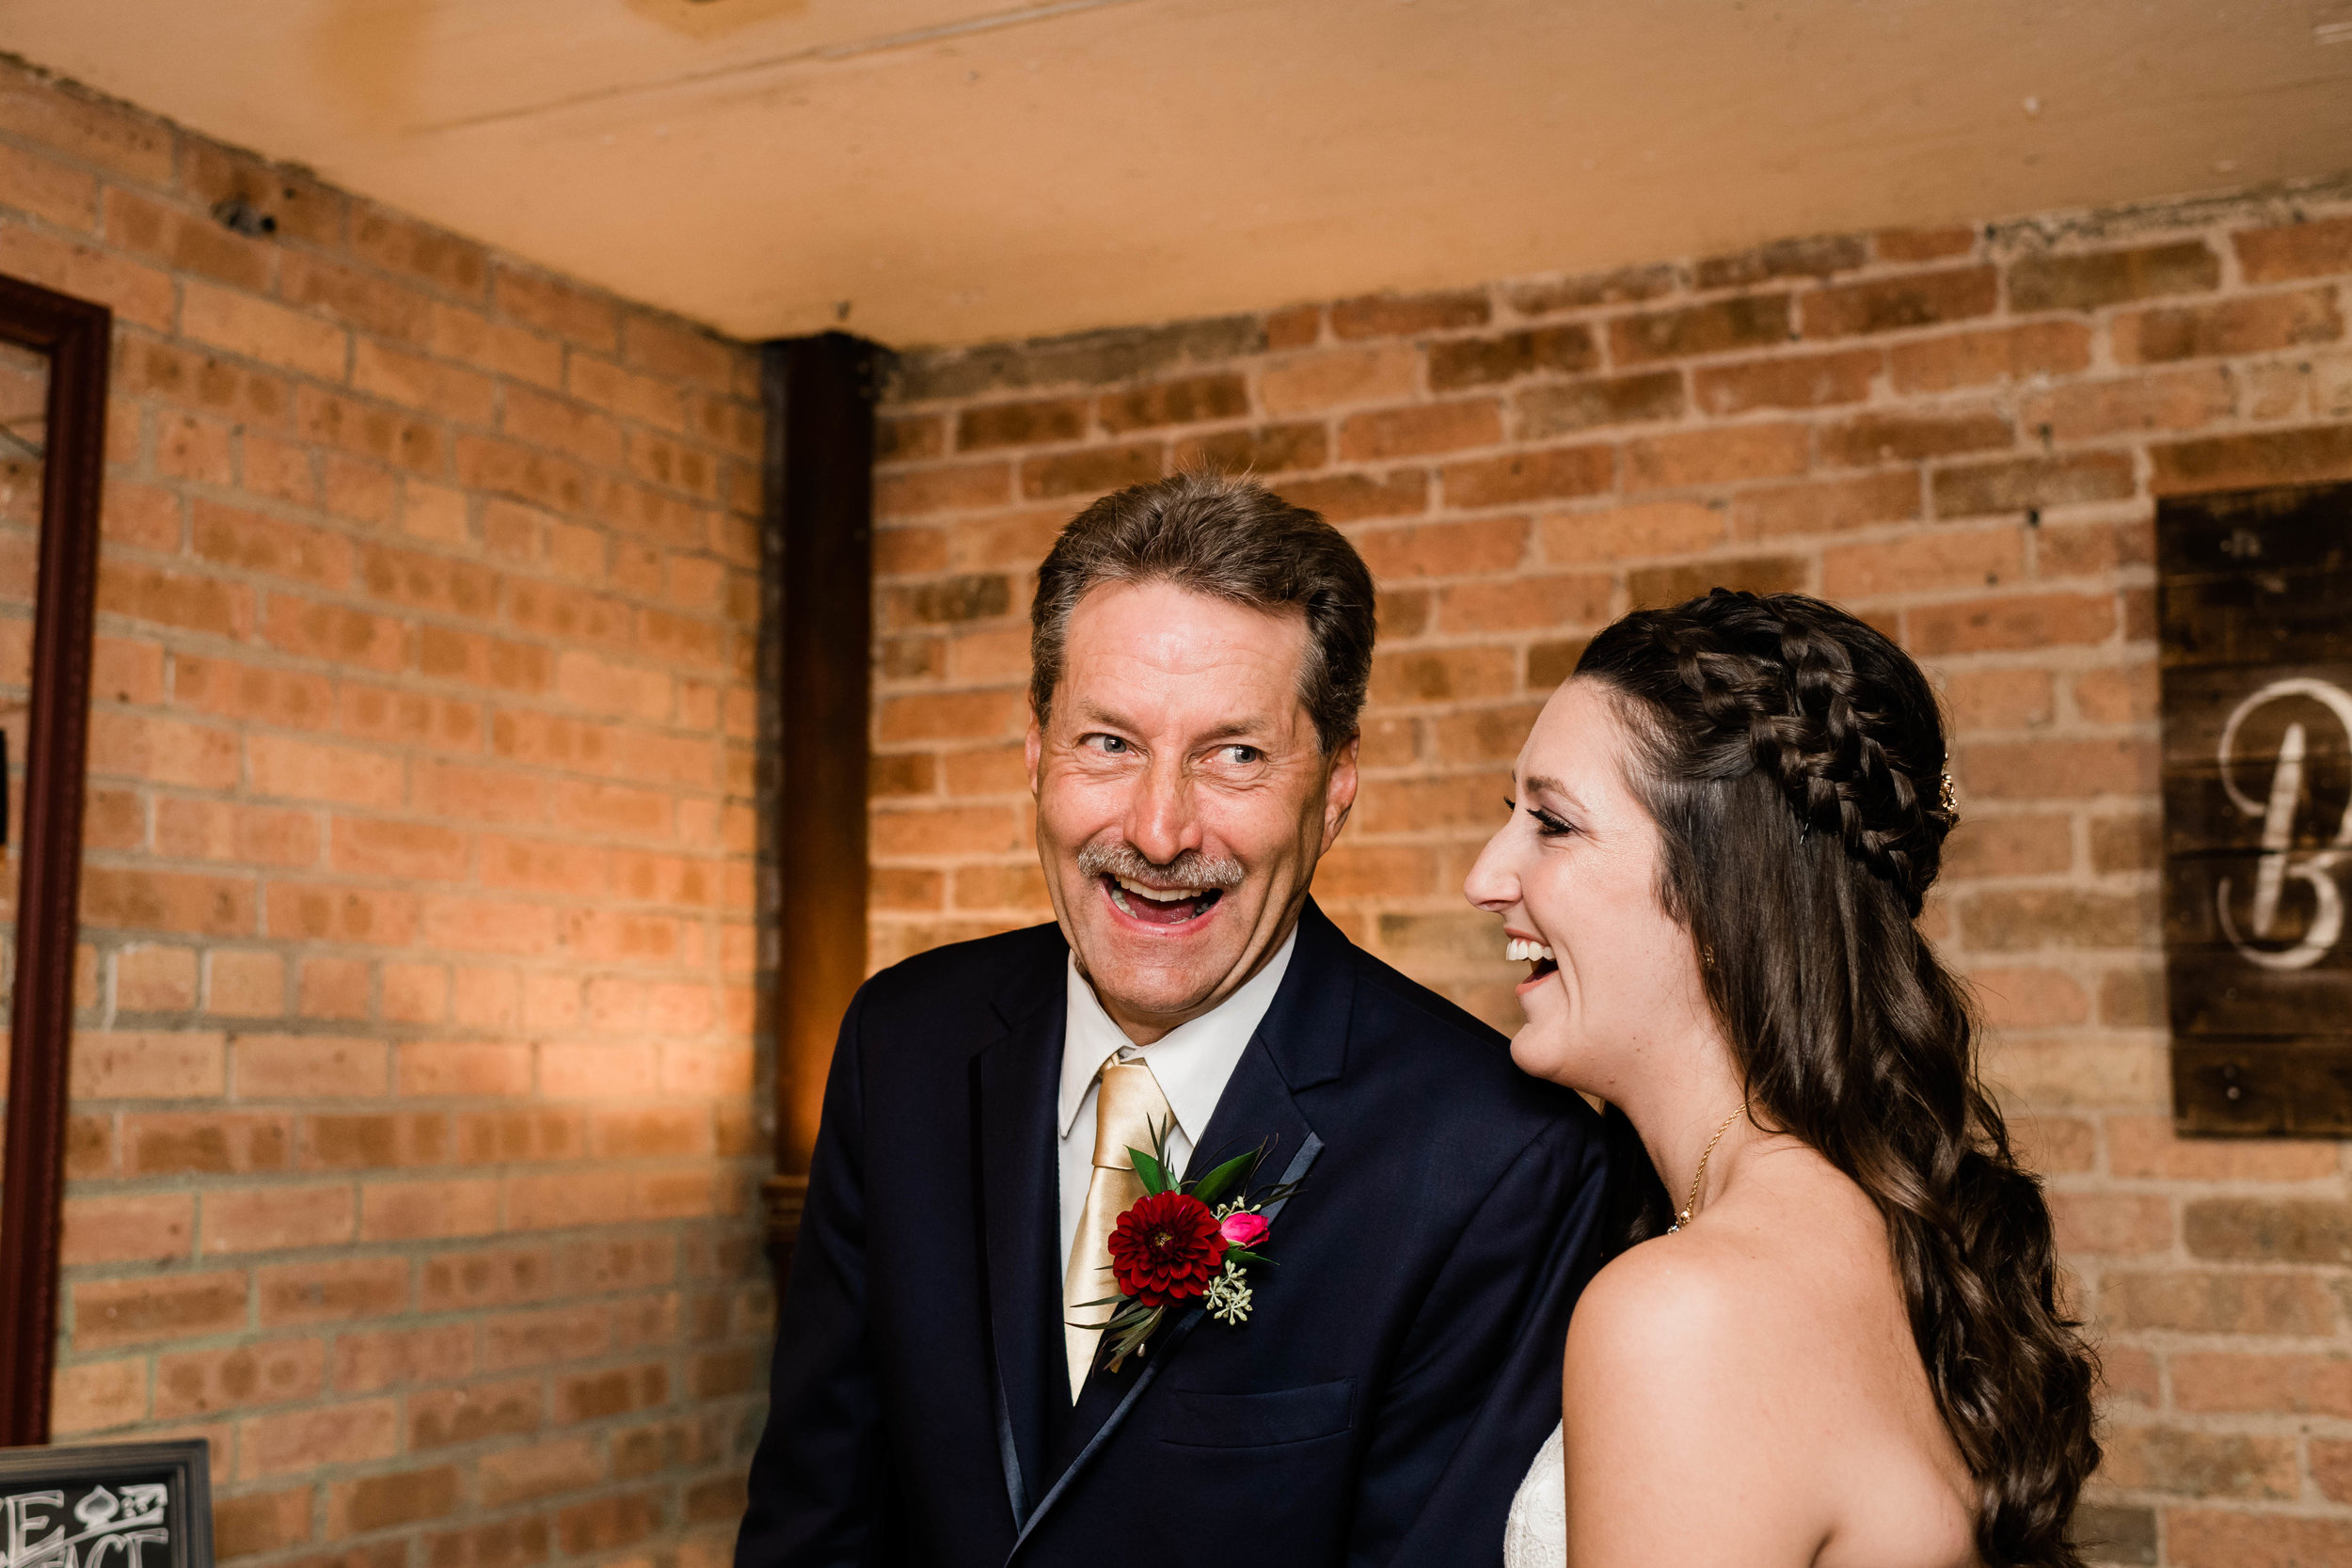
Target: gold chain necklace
(1692,1201)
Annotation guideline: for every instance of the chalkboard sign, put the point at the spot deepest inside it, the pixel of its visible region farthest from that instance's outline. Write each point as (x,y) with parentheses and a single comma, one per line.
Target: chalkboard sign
(2254,613)
(114,1505)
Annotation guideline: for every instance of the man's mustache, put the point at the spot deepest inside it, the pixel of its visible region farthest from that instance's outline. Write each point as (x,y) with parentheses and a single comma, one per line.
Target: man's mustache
(1189,869)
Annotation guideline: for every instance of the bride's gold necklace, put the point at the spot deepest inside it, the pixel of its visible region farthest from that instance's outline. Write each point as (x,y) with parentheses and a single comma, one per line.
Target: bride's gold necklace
(1692,1201)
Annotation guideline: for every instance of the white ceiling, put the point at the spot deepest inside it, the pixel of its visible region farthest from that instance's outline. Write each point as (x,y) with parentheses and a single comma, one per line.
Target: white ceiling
(954,170)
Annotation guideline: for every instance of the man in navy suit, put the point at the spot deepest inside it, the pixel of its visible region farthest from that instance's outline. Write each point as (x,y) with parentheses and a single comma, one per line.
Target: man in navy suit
(941,1392)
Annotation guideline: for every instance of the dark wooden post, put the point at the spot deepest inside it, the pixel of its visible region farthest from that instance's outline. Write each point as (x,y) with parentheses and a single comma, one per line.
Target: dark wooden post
(820,394)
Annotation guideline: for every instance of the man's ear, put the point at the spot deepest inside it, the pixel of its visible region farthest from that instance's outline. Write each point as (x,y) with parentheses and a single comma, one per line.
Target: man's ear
(1033,747)
(1339,789)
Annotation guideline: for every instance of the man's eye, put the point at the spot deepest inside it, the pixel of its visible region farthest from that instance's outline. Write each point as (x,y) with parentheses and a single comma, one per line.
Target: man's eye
(1240,756)
(1110,744)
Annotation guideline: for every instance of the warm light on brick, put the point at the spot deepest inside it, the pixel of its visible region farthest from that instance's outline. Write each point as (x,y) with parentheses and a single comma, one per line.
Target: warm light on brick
(422,710)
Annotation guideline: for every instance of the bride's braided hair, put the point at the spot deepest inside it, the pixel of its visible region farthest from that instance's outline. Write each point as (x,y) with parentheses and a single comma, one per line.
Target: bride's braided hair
(1793,758)
(1851,755)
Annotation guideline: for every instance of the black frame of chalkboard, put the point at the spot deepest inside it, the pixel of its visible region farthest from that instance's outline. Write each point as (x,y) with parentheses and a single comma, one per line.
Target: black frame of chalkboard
(184,1468)
(77,335)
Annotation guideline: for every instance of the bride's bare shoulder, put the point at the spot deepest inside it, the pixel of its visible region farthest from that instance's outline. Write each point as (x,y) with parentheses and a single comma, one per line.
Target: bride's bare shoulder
(1660,1384)
(1675,1308)
(1769,1348)
(1796,1262)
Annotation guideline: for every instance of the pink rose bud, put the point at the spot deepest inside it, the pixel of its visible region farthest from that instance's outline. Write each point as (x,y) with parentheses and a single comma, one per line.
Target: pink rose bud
(1244,1230)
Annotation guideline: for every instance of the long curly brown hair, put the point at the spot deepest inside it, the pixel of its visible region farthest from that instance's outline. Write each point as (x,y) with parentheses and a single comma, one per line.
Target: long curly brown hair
(1793,757)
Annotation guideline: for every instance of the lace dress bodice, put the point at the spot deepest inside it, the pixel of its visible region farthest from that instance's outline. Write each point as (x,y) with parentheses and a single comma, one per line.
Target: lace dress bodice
(1536,1533)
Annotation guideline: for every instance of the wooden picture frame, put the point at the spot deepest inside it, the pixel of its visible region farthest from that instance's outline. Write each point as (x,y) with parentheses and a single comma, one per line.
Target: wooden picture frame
(151,1503)
(77,336)
(2254,623)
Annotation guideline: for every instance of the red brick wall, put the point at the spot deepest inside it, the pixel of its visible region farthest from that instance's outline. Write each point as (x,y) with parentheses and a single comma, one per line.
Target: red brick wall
(1958,434)
(413,1140)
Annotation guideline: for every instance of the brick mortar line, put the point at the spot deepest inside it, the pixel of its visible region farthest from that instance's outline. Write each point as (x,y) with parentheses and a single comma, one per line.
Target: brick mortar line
(317,519)
(425,686)
(130,332)
(715,674)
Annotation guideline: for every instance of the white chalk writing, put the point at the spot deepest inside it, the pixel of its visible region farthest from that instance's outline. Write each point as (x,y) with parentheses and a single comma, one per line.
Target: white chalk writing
(104,1529)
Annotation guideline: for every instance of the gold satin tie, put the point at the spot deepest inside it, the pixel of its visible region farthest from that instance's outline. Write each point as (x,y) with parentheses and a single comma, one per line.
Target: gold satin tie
(1128,1105)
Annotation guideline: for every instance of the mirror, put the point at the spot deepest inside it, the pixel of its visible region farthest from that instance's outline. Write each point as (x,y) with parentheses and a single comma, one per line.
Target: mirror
(23,436)
(53,433)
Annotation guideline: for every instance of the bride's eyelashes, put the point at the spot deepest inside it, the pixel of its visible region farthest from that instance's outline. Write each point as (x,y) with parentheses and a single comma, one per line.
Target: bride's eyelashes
(1546,824)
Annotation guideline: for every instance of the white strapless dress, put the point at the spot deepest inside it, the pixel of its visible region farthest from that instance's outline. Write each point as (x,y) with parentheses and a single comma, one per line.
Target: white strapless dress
(1536,1533)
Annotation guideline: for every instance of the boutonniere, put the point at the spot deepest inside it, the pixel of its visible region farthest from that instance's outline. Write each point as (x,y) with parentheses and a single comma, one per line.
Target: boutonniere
(1195,1241)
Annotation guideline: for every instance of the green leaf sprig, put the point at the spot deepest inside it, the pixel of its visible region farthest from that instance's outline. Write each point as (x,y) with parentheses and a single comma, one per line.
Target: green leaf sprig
(1132,1326)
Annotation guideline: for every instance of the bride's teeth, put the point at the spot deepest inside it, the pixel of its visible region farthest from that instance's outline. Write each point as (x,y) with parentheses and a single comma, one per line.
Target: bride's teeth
(1517,950)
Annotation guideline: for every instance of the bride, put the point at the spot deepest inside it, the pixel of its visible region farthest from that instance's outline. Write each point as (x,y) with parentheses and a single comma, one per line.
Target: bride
(1847,1347)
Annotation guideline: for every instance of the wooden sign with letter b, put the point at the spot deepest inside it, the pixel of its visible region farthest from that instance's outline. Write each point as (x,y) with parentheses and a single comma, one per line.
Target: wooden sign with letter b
(2255,618)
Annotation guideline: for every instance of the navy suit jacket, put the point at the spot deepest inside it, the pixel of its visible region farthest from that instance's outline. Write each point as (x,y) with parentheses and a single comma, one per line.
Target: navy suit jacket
(1380,1405)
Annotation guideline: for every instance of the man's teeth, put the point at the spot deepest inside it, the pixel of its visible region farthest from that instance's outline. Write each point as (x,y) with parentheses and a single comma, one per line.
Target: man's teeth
(1517,951)
(1157,896)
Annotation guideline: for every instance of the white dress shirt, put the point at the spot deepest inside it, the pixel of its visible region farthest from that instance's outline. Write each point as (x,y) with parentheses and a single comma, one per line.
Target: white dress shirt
(1191,1063)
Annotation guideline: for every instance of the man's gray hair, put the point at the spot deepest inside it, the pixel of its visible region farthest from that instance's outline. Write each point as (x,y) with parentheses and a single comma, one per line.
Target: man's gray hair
(1230,539)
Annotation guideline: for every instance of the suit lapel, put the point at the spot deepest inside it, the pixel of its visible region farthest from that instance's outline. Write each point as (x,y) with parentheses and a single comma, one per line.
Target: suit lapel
(1301,1042)
(1014,1085)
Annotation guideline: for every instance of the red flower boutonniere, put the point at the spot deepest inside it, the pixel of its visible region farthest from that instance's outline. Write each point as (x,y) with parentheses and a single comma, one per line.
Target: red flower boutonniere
(1193,1242)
